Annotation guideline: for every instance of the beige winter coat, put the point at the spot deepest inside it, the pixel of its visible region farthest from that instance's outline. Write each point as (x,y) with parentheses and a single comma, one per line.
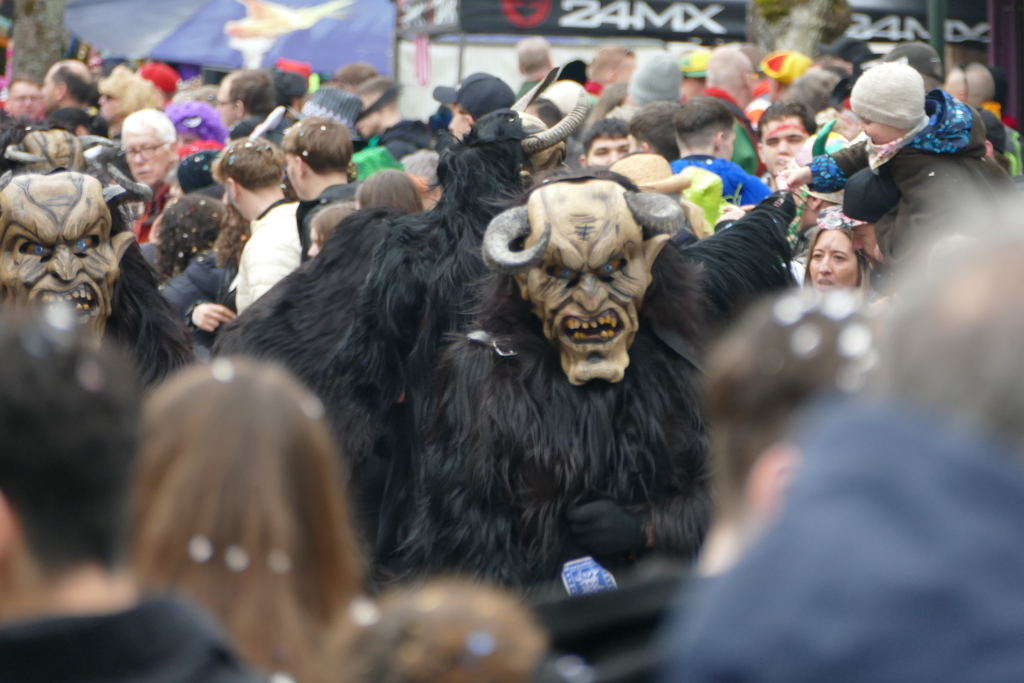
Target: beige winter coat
(272,252)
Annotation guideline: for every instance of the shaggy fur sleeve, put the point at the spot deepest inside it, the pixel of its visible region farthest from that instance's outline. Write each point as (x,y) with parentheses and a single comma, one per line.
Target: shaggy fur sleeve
(680,517)
(143,322)
(745,261)
(370,360)
(678,524)
(463,521)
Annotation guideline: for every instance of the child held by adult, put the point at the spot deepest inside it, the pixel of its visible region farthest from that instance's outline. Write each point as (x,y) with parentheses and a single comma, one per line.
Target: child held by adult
(933,146)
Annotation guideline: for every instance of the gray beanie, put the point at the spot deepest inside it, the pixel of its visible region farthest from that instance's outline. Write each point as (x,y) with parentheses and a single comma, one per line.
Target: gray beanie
(657,80)
(890,93)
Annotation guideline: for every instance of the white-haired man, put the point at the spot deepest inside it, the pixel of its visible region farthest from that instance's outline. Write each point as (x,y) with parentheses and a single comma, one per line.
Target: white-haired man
(149,141)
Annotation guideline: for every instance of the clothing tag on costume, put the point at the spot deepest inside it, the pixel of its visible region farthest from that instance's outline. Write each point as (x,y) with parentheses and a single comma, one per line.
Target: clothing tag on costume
(584,576)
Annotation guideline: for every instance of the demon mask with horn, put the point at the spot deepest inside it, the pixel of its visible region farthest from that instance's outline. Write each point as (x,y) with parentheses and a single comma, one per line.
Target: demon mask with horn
(41,149)
(581,251)
(56,244)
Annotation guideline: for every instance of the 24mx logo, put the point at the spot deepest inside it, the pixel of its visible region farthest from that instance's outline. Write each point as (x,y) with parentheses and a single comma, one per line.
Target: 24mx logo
(680,17)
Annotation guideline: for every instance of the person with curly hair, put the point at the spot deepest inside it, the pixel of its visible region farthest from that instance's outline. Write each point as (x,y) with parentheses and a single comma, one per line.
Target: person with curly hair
(187,260)
(190,225)
(124,92)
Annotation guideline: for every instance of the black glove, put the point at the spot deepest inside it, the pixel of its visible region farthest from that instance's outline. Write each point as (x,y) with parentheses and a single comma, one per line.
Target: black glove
(603,528)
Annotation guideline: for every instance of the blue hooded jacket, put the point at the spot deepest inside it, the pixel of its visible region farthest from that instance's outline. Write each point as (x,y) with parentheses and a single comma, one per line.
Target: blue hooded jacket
(899,557)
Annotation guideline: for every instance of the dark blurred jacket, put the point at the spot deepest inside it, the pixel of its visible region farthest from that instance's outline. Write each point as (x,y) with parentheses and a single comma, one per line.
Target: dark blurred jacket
(405,137)
(334,193)
(158,641)
(899,557)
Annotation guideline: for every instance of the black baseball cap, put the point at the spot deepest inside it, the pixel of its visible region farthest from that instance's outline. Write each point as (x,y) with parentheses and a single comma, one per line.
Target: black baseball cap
(867,197)
(920,57)
(848,49)
(479,94)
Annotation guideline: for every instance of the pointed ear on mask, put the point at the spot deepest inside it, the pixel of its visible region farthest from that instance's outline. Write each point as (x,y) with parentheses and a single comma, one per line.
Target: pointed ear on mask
(121,241)
(653,247)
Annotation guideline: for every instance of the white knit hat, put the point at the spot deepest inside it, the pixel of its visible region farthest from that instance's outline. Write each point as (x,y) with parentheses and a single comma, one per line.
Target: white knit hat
(890,93)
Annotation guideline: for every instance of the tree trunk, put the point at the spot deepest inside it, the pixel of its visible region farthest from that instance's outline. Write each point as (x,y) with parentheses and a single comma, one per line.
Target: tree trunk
(39,36)
(796,24)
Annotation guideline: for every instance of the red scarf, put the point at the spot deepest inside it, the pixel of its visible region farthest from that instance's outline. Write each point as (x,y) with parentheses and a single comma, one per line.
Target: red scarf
(722,95)
(154,207)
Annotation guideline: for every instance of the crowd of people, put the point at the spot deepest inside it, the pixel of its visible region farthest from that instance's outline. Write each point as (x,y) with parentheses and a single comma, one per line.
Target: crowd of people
(697,368)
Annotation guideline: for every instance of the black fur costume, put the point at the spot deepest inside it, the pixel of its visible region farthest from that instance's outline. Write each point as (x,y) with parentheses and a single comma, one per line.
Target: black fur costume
(141,320)
(298,324)
(418,292)
(515,445)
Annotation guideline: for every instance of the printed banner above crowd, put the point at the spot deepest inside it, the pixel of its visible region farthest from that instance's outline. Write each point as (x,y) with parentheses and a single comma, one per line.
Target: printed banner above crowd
(873,20)
(236,33)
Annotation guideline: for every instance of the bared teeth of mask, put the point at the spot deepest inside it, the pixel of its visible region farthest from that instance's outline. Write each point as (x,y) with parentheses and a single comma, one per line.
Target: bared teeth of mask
(579,336)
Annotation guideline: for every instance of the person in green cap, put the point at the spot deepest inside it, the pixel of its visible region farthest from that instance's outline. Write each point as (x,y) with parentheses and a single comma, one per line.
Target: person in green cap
(694,66)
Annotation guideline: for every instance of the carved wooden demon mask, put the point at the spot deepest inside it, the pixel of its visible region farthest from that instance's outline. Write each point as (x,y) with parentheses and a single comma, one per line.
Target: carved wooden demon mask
(581,252)
(56,244)
(45,150)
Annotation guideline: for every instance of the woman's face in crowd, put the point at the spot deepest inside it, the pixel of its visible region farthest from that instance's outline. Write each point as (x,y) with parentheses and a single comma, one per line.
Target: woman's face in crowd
(110,108)
(833,264)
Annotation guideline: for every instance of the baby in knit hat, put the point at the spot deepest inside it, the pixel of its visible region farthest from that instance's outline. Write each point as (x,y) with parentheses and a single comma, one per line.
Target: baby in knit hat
(932,144)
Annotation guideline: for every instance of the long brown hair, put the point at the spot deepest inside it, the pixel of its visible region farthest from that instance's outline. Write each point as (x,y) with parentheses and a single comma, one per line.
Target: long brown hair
(234,232)
(238,504)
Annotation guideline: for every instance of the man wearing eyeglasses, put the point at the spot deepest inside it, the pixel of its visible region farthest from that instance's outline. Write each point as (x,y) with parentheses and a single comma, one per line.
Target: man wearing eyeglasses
(24,99)
(149,140)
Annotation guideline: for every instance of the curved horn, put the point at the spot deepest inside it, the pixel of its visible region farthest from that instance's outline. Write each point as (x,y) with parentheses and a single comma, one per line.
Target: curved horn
(505,229)
(89,141)
(12,153)
(5,180)
(527,99)
(125,190)
(657,214)
(560,130)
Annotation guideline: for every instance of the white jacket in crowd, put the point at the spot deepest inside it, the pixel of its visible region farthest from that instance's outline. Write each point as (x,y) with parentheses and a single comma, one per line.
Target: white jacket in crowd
(273,251)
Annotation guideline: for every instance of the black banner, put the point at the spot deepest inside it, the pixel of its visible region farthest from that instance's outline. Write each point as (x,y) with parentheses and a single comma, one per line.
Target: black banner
(873,20)
(648,18)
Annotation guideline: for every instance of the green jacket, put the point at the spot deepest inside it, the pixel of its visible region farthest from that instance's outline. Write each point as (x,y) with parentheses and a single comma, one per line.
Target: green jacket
(744,151)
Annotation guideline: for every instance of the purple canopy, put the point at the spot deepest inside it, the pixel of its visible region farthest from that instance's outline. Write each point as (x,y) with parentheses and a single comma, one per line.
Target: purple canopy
(235,33)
